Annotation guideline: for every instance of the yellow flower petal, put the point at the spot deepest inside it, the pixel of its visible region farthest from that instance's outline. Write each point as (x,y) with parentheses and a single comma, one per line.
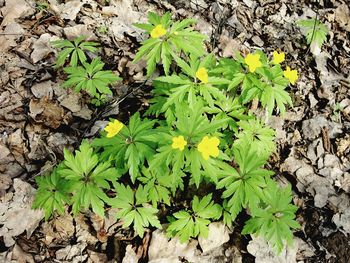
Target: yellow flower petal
(278,57)
(158,31)
(179,142)
(253,62)
(209,147)
(202,75)
(291,75)
(113,128)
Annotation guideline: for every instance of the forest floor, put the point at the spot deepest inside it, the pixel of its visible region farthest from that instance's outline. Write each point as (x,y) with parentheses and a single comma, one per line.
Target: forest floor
(38,119)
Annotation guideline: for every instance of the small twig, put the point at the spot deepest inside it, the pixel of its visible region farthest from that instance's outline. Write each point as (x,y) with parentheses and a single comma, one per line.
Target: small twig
(15,34)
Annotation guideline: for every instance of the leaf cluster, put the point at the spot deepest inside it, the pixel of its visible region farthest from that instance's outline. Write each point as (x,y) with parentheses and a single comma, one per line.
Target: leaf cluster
(192,223)
(82,75)
(275,218)
(90,77)
(134,208)
(73,50)
(80,180)
(131,147)
(179,37)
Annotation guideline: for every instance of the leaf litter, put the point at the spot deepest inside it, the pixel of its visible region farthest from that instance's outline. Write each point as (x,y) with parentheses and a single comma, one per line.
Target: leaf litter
(35,113)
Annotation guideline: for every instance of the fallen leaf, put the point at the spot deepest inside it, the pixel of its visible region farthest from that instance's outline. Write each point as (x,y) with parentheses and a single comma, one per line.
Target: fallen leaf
(67,10)
(12,32)
(16,214)
(42,47)
(130,255)
(78,30)
(14,9)
(46,112)
(342,16)
(21,256)
(42,89)
(95,257)
(125,19)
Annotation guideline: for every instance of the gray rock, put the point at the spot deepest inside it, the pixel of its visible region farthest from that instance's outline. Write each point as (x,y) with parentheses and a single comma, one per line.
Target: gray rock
(218,235)
(264,253)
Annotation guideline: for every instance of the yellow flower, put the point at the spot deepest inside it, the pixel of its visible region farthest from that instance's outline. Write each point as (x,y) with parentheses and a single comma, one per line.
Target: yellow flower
(278,57)
(113,128)
(209,147)
(158,31)
(179,143)
(253,62)
(202,75)
(291,75)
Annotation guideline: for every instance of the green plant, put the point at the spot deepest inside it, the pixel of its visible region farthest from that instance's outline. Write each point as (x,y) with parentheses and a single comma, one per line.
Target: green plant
(130,148)
(192,85)
(168,38)
(41,5)
(315,31)
(87,176)
(92,78)
(186,224)
(52,194)
(74,50)
(102,29)
(254,131)
(201,134)
(99,99)
(275,218)
(134,208)
(337,109)
(255,77)
(158,186)
(244,185)
(180,150)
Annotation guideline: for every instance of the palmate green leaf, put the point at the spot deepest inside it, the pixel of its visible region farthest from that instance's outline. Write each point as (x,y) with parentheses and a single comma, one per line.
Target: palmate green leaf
(206,208)
(157,186)
(52,194)
(188,88)
(73,50)
(227,67)
(272,92)
(273,96)
(182,226)
(230,110)
(251,88)
(275,218)
(244,187)
(86,177)
(254,131)
(170,162)
(227,217)
(91,78)
(187,224)
(179,37)
(201,169)
(131,147)
(314,30)
(134,209)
